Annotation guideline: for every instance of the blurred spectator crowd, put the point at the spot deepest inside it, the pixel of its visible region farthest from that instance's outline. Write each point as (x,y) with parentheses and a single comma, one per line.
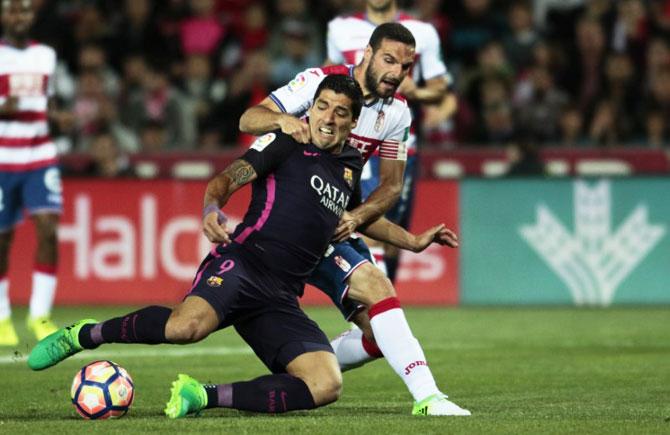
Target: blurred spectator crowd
(153,76)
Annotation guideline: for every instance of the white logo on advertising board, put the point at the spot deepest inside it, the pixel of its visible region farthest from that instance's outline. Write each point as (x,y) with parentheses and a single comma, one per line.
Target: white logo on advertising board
(594,260)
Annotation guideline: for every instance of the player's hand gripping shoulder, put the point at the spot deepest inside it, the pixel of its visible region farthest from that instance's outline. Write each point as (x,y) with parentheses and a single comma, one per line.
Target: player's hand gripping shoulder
(297,128)
(267,116)
(219,190)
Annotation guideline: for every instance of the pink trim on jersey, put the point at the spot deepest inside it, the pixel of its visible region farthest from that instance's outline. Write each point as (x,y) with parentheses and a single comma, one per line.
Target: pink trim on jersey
(270,187)
(18,167)
(6,141)
(198,277)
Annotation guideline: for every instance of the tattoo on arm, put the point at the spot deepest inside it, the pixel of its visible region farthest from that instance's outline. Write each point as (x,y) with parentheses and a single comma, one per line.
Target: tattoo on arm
(240,172)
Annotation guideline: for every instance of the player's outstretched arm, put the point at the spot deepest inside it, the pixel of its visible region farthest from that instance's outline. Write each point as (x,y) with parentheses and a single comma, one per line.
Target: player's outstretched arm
(379,202)
(266,116)
(218,192)
(384,230)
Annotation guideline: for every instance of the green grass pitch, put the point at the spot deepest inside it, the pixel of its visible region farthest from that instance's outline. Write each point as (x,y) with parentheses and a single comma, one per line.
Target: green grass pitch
(519,370)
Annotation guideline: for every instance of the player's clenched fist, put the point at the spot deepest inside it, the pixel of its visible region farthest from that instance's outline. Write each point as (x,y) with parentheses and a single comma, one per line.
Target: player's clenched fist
(295,127)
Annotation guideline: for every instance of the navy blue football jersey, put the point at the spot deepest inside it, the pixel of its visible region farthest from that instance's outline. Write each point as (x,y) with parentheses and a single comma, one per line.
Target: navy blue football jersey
(296,202)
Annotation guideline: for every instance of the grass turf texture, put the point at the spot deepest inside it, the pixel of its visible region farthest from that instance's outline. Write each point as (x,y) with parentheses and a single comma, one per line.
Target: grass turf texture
(519,370)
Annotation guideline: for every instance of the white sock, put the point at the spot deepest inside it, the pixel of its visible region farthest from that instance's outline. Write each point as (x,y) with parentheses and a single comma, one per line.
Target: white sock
(353,350)
(5,307)
(42,296)
(378,255)
(402,351)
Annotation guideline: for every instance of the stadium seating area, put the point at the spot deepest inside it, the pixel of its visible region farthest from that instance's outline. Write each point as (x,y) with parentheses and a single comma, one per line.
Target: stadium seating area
(583,85)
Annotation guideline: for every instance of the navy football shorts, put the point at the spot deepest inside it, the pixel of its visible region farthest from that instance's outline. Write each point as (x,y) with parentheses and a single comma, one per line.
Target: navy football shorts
(337,264)
(401,212)
(36,190)
(263,309)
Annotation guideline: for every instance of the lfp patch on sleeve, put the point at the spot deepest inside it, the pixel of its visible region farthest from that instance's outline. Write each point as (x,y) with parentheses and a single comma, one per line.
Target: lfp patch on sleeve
(298,82)
(263,141)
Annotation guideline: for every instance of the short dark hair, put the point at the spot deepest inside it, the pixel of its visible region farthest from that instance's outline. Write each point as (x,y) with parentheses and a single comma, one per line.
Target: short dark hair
(342,84)
(394,32)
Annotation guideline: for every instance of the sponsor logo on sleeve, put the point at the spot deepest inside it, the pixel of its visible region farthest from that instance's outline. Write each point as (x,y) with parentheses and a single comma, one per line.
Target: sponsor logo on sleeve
(263,141)
(298,82)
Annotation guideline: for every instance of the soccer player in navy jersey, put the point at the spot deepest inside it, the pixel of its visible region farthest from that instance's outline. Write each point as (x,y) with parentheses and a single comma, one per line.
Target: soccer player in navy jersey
(347,273)
(251,280)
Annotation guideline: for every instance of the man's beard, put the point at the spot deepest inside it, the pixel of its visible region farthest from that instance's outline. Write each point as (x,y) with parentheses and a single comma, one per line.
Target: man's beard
(372,82)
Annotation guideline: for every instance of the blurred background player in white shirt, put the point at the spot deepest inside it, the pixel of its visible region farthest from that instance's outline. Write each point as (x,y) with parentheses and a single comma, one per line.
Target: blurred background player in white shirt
(29,174)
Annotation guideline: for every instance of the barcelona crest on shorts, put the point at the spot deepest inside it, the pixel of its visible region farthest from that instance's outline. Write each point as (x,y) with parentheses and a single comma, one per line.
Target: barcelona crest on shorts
(214,281)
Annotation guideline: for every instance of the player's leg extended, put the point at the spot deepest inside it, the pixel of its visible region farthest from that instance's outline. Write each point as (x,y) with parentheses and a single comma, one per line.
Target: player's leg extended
(189,322)
(8,335)
(44,275)
(311,380)
(396,341)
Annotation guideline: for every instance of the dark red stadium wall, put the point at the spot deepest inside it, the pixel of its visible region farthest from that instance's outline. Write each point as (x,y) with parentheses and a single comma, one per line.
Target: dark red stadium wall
(131,241)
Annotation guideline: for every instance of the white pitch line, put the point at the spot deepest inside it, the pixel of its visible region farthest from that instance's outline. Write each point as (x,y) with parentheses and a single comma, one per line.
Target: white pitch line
(144,353)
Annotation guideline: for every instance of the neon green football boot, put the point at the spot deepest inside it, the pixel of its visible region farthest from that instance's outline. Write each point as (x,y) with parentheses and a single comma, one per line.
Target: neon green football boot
(8,335)
(438,404)
(41,326)
(187,396)
(56,347)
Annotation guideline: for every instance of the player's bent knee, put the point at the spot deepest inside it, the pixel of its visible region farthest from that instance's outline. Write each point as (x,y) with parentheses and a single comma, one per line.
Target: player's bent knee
(321,373)
(369,285)
(325,386)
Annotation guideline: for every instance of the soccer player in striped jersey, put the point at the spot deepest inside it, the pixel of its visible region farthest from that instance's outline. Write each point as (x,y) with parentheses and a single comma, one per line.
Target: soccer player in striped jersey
(427,84)
(29,174)
(347,273)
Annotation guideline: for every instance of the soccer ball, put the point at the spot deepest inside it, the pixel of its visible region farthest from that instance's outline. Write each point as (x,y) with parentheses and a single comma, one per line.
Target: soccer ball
(101,390)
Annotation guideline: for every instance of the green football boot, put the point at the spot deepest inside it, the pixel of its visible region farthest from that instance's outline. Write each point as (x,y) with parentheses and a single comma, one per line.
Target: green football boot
(187,396)
(438,404)
(56,347)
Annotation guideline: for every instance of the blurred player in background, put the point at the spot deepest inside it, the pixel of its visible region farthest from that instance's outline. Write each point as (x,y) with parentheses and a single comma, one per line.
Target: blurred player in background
(428,83)
(29,173)
(347,273)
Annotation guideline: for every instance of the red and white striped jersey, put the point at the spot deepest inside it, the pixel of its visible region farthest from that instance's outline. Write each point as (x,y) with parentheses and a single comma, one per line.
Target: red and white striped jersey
(26,73)
(349,35)
(382,124)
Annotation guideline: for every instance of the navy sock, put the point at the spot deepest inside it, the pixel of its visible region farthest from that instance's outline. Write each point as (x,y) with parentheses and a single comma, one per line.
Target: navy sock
(269,394)
(391,267)
(146,326)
